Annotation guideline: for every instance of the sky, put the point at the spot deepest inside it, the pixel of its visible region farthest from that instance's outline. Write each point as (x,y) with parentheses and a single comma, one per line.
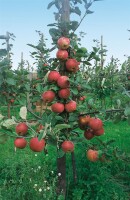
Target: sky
(111,18)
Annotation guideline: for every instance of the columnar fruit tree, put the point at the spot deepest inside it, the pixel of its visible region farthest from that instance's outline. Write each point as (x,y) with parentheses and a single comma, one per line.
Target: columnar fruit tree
(62,90)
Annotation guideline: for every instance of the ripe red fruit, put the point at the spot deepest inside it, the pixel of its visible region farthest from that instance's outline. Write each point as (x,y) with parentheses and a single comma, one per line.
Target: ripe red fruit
(92,155)
(62,54)
(63,43)
(45,64)
(84,97)
(99,132)
(95,124)
(84,120)
(21,129)
(12,100)
(36,145)
(72,65)
(20,143)
(88,134)
(67,146)
(63,82)
(48,96)
(57,107)
(64,93)
(71,106)
(81,99)
(53,76)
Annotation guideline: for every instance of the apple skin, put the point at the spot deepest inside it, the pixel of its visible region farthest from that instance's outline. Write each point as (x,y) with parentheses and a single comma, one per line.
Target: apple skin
(53,76)
(88,134)
(12,100)
(36,145)
(84,120)
(67,146)
(20,143)
(72,65)
(57,107)
(95,124)
(48,96)
(21,129)
(64,93)
(81,99)
(99,132)
(63,43)
(62,54)
(92,155)
(63,82)
(71,106)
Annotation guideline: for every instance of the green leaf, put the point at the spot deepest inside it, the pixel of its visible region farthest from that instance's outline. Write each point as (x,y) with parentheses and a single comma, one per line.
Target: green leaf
(50,4)
(89,12)
(127,111)
(59,118)
(39,88)
(3,52)
(27,86)
(52,140)
(23,112)
(62,126)
(41,135)
(8,123)
(10,81)
(76,10)
(74,25)
(74,91)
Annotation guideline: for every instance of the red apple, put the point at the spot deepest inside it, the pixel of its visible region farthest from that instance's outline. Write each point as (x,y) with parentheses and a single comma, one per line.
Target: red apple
(45,64)
(67,146)
(63,43)
(20,143)
(92,155)
(88,134)
(48,96)
(95,124)
(72,65)
(12,100)
(21,129)
(84,120)
(64,93)
(99,132)
(71,106)
(57,107)
(63,82)
(62,54)
(36,145)
(53,76)
(81,98)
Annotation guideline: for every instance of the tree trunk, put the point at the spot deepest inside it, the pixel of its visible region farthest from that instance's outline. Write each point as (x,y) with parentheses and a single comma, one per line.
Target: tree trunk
(61,171)
(61,162)
(65,17)
(74,167)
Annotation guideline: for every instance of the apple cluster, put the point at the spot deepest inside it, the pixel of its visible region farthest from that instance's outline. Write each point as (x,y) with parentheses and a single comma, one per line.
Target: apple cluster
(62,81)
(61,100)
(92,126)
(34,144)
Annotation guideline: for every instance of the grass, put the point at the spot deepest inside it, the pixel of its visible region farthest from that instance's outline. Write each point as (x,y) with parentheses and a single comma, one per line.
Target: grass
(26,175)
